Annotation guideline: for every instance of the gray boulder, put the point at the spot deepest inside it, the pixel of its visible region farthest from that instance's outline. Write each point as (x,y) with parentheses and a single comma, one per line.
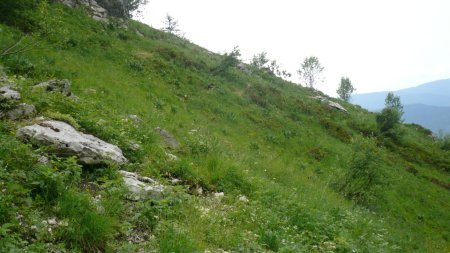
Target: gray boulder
(8,93)
(141,187)
(64,140)
(63,86)
(22,111)
(170,141)
(331,103)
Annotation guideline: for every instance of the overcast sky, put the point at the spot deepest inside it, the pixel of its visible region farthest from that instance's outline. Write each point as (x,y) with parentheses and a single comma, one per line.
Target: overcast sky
(380,45)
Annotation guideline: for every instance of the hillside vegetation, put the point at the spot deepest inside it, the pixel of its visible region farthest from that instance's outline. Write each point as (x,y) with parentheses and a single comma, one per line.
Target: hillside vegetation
(296,175)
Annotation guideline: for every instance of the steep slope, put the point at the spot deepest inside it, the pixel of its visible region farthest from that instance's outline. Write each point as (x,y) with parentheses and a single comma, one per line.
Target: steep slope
(282,159)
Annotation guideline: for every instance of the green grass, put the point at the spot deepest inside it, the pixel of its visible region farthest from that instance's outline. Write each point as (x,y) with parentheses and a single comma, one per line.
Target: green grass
(252,134)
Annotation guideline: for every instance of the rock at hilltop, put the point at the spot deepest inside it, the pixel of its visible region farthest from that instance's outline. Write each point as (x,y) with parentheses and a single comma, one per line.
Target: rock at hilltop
(64,140)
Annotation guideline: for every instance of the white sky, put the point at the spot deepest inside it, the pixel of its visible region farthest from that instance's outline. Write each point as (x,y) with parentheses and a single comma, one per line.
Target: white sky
(380,45)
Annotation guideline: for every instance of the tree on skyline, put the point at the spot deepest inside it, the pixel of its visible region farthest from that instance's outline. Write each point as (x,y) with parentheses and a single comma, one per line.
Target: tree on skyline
(311,71)
(345,89)
(170,25)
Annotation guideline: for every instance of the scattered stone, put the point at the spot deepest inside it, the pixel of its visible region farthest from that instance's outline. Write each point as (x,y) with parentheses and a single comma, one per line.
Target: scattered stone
(175,181)
(139,34)
(22,111)
(62,86)
(199,190)
(66,141)
(8,93)
(219,195)
(141,187)
(243,198)
(134,146)
(134,118)
(331,103)
(171,157)
(43,160)
(241,66)
(170,141)
(52,221)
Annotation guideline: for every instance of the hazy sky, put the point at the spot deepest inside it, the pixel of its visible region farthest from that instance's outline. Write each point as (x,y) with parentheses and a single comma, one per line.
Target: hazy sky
(380,45)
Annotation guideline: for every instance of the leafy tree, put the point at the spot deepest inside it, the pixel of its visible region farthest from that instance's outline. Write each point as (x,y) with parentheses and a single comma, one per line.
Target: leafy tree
(171,25)
(311,71)
(230,60)
(394,102)
(122,8)
(345,89)
(387,119)
(260,60)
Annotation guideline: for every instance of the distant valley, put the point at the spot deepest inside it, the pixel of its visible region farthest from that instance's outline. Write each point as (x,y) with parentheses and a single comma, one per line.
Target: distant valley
(427,104)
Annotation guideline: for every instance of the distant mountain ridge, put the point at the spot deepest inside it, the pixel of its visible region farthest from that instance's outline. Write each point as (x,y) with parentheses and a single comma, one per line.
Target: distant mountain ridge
(427,104)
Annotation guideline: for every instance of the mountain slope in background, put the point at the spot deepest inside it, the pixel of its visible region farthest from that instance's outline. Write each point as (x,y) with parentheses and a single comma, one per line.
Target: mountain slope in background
(427,104)
(435,118)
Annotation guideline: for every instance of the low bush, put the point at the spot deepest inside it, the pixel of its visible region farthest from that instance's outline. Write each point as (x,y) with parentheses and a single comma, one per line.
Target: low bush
(363,179)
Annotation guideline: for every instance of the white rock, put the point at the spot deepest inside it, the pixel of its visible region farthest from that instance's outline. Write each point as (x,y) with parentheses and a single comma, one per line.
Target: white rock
(171,157)
(66,141)
(243,198)
(141,187)
(331,103)
(219,194)
(8,93)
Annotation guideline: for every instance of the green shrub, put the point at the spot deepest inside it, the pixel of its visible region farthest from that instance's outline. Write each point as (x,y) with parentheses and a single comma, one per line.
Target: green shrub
(23,14)
(363,179)
(387,119)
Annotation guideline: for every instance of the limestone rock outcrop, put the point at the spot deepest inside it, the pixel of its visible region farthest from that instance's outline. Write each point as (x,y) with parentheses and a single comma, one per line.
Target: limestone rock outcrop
(331,103)
(62,139)
(9,93)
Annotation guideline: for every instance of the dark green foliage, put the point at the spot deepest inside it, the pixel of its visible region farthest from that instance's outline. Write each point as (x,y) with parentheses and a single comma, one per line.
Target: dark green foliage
(363,178)
(387,119)
(336,130)
(23,14)
(445,143)
(228,61)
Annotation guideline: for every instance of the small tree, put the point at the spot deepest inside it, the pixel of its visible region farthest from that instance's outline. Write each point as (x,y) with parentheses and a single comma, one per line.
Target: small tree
(260,60)
(345,89)
(394,102)
(230,60)
(171,25)
(390,116)
(311,71)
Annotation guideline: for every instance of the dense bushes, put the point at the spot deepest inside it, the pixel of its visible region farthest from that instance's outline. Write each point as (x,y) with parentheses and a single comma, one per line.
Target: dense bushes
(23,14)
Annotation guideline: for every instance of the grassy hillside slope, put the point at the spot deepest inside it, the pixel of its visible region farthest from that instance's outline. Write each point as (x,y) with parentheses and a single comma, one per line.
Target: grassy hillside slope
(244,134)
